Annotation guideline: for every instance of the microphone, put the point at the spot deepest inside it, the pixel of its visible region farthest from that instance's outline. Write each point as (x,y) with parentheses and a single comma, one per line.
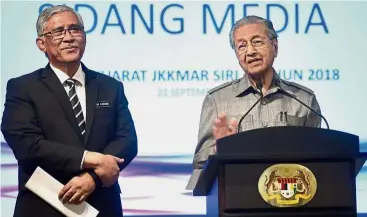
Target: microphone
(259,86)
(313,110)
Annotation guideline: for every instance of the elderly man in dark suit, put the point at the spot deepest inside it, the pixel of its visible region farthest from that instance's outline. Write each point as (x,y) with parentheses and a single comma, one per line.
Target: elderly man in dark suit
(69,120)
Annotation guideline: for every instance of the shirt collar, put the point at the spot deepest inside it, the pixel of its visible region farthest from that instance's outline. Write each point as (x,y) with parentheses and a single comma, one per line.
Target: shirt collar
(244,85)
(78,76)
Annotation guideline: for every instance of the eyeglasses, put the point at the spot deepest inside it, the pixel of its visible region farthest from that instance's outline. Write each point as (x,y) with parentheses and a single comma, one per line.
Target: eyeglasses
(75,31)
(256,43)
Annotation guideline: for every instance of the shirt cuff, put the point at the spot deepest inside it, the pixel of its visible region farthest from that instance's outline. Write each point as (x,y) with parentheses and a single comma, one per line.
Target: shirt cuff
(81,164)
(95,178)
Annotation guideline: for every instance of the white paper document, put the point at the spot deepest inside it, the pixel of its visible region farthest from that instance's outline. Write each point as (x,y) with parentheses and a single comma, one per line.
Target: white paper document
(48,188)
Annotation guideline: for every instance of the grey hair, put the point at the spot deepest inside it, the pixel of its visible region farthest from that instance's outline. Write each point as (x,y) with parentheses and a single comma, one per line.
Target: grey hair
(272,34)
(51,11)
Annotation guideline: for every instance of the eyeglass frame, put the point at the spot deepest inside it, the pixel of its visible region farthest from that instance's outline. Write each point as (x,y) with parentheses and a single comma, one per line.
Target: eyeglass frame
(255,46)
(73,27)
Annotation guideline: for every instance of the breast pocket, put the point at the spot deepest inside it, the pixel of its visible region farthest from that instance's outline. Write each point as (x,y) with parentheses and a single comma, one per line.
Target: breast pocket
(104,117)
(247,122)
(295,120)
(104,111)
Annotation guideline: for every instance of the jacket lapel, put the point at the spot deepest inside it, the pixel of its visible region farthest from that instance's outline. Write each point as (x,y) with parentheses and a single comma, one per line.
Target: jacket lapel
(91,91)
(50,79)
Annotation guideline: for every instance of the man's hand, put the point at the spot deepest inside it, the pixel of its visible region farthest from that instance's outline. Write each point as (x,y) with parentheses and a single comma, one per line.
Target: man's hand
(77,189)
(222,129)
(105,166)
(108,170)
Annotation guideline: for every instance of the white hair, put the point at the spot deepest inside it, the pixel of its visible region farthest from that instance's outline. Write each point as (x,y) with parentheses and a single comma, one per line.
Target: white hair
(251,20)
(51,11)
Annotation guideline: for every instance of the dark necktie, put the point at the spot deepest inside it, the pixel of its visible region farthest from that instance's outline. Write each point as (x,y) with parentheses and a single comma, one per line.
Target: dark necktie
(75,104)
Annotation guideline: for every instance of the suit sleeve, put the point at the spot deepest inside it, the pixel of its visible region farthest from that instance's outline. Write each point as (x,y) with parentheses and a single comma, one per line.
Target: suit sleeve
(206,142)
(125,144)
(21,129)
(313,120)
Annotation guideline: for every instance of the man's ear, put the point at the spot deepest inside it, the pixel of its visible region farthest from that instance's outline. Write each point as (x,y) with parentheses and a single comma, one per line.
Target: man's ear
(275,44)
(41,45)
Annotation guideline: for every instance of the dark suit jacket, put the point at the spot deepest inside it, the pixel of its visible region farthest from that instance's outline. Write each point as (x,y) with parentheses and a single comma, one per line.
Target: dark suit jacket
(39,126)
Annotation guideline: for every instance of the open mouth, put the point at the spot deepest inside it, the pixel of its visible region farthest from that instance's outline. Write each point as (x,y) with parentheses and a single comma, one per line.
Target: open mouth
(254,61)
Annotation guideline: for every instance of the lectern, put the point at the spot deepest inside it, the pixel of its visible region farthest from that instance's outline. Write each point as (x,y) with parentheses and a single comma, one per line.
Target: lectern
(282,171)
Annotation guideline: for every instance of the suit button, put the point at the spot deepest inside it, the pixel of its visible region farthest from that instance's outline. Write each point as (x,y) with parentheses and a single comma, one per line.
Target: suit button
(264,124)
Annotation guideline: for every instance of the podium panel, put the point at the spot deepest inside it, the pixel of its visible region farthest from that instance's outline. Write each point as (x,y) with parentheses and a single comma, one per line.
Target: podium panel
(330,176)
(314,174)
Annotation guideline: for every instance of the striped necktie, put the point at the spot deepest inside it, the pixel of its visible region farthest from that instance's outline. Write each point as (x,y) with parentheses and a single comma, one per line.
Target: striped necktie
(75,103)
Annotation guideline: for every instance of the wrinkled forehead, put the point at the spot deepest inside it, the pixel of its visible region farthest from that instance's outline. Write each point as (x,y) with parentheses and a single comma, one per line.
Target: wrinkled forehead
(247,32)
(63,19)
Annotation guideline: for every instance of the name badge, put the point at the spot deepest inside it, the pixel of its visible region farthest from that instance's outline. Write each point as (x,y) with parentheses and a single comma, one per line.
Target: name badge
(103,104)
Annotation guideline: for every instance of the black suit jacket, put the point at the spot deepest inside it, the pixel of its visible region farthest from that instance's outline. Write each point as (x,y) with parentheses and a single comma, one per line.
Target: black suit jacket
(39,126)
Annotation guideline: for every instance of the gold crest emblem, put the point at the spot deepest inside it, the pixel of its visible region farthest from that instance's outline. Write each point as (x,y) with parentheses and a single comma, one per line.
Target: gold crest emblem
(287,185)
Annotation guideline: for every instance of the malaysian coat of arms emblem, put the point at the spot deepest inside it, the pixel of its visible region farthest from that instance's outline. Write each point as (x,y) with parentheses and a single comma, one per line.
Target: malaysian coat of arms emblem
(287,185)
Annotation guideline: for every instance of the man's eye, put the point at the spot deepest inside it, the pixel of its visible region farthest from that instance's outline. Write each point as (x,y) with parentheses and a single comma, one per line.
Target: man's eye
(257,42)
(76,28)
(58,32)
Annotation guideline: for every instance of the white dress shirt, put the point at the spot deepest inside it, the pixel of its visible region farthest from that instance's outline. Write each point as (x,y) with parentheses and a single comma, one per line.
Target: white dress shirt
(79,76)
(79,86)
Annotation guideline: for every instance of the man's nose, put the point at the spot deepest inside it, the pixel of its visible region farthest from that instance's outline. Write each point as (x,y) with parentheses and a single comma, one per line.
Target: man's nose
(68,36)
(250,50)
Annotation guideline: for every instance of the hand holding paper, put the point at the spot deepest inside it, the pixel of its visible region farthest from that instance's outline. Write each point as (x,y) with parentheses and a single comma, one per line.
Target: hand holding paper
(77,189)
(48,188)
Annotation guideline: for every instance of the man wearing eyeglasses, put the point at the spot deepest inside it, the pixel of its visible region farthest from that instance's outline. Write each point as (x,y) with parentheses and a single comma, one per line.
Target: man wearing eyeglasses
(69,120)
(255,43)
